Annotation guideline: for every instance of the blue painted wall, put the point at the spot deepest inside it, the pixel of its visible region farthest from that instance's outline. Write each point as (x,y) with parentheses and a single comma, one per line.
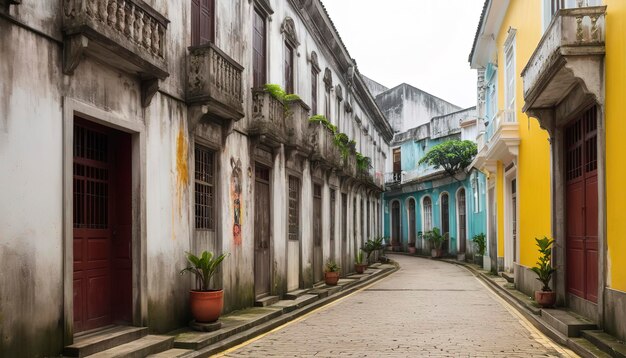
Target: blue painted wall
(411,152)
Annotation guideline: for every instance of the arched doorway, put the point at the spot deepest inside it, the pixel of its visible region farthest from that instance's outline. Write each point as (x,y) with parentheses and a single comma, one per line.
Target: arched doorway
(411,220)
(395,223)
(461,219)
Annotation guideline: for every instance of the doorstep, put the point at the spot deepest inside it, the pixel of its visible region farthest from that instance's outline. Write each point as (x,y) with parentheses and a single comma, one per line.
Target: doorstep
(240,326)
(562,326)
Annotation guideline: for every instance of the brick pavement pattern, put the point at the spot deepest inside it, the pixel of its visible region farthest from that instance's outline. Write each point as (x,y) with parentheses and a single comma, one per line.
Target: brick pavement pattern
(426,309)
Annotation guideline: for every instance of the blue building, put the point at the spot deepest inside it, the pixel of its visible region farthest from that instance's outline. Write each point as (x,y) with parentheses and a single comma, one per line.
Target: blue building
(420,198)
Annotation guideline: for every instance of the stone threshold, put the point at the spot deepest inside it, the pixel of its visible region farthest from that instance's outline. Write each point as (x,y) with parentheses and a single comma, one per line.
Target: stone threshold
(587,343)
(240,326)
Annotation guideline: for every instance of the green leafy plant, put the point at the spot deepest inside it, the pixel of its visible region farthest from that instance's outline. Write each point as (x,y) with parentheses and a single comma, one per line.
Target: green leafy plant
(331,266)
(453,156)
(203,267)
(279,93)
(436,237)
(363,163)
(319,118)
(544,269)
(480,242)
(372,245)
(358,259)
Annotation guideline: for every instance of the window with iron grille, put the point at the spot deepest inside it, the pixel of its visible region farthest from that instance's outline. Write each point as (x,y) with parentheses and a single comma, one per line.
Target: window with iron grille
(427,209)
(294,208)
(204,188)
(332,214)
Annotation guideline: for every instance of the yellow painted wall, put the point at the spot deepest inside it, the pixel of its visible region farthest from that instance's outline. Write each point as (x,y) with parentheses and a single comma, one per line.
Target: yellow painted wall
(615,114)
(533,167)
(500,207)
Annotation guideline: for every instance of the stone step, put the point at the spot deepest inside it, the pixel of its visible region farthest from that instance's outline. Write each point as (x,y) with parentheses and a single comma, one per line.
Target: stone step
(508,276)
(586,349)
(567,322)
(142,347)
(102,340)
(173,353)
(266,301)
(291,305)
(232,323)
(606,342)
(292,295)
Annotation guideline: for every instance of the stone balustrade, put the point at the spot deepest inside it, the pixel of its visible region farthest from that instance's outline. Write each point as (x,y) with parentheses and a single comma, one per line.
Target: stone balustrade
(268,120)
(131,33)
(572,32)
(324,148)
(214,80)
(298,127)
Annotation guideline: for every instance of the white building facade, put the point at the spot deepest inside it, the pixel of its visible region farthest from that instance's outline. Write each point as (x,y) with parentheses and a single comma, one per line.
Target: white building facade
(134,131)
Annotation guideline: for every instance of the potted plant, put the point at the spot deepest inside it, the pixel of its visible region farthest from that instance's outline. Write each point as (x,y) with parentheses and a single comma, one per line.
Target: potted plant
(372,246)
(481,243)
(412,249)
(331,273)
(544,270)
(359,266)
(437,240)
(206,303)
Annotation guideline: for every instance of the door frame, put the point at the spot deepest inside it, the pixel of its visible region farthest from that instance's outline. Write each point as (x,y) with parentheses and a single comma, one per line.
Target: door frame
(136,128)
(511,249)
(391,218)
(559,224)
(457,207)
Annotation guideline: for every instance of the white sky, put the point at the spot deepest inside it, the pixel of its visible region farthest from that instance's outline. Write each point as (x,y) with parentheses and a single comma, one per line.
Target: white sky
(424,43)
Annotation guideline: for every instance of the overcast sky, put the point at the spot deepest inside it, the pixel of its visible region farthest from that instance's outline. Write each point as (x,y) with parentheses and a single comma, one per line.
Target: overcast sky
(424,43)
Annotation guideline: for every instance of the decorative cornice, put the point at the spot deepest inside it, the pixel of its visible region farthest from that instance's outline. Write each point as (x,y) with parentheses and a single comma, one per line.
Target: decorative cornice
(328,79)
(315,62)
(288,29)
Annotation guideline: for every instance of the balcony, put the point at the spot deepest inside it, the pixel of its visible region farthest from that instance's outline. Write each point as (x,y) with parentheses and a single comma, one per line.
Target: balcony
(570,53)
(324,149)
(126,34)
(393,178)
(502,137)
(298,128)
(268,120)
(348,166)
(214,81)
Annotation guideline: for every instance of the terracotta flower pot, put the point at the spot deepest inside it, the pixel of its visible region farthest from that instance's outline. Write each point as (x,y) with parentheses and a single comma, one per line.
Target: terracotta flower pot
(206,306)
(412,250)
(436,252)
(545,299)
(360,268)
(331,278)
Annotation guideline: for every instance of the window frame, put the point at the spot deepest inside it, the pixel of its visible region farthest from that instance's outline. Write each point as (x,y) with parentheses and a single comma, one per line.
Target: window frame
(262,70)
(196,23)
(210,224)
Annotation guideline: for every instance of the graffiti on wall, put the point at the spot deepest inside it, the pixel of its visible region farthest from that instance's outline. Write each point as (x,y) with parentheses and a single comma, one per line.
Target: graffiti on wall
(235,195)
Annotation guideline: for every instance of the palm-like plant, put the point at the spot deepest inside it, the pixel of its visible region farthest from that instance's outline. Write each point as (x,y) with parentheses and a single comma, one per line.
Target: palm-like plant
(544,269)
(436,238)
(203,267)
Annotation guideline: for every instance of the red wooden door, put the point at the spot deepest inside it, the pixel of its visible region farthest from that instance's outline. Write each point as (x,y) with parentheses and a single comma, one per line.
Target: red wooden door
(317,233)
(102,226)
(262,231)
(582,206)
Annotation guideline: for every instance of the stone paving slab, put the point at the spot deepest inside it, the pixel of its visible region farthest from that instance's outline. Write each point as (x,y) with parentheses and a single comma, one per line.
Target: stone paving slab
(427,308)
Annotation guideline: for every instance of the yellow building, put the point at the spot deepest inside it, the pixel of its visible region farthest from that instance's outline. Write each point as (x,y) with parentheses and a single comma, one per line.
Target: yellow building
(574,84)
(513,150)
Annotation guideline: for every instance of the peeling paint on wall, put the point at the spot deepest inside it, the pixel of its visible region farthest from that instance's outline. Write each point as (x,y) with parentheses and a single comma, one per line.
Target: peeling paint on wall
(235,194)
(181,168)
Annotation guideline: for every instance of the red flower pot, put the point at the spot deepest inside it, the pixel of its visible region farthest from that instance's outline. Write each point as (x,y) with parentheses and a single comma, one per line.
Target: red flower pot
(360,268)
(331,278)
(206,306)
(545,299)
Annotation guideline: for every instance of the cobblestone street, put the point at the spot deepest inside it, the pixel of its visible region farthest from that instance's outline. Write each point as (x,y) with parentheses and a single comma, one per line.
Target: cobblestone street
(427,308)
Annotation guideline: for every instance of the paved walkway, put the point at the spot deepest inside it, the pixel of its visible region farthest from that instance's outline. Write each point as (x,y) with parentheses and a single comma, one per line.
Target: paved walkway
(427,308)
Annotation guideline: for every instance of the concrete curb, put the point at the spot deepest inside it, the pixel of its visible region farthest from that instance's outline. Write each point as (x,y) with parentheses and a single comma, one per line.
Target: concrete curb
(286,317)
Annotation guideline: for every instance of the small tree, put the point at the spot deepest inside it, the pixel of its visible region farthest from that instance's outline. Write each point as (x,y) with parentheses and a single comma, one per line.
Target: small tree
(452,155)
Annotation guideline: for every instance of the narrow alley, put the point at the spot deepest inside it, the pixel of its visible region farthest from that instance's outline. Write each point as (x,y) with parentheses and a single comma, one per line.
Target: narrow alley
(397,317)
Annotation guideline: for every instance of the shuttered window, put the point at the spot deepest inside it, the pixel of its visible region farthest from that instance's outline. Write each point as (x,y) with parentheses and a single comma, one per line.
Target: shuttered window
(289,68)
(258,50)
(313,92)
(202,22)
(427,209)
